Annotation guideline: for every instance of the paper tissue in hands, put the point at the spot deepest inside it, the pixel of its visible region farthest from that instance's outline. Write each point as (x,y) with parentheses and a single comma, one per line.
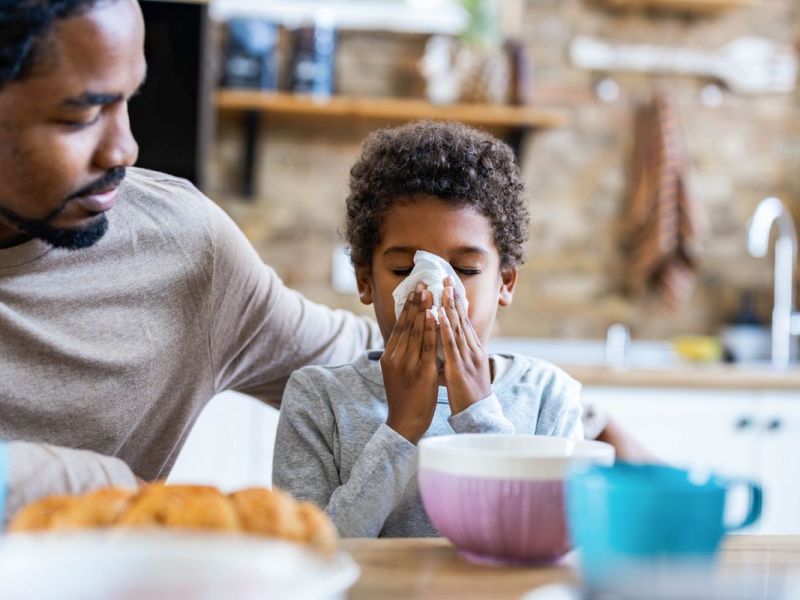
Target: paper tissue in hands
(431,270)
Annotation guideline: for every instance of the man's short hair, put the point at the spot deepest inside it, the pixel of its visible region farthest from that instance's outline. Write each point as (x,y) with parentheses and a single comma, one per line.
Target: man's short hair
(23,26)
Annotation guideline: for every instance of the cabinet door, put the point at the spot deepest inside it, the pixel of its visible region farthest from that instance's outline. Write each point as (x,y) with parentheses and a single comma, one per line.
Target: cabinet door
(701,429)
(780,462)
(687,427)
(230,445)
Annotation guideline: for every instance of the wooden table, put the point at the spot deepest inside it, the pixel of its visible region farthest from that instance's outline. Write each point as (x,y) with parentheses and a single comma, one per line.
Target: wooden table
(431,568)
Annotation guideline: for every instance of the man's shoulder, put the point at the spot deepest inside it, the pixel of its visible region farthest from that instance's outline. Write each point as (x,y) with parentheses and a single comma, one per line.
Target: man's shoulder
(161,193)
(143,176)
(168,207)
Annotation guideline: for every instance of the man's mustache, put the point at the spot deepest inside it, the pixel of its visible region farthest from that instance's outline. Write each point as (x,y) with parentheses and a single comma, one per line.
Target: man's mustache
(110,180)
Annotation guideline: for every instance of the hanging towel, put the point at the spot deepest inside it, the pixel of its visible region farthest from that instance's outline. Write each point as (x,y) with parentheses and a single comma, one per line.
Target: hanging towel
(665,224)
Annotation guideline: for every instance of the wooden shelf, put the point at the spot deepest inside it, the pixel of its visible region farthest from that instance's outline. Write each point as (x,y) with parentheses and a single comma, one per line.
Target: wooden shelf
(389,109)
(681,6)
(515,121)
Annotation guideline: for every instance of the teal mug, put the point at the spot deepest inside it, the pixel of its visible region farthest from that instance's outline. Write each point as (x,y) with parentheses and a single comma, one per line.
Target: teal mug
(629,514)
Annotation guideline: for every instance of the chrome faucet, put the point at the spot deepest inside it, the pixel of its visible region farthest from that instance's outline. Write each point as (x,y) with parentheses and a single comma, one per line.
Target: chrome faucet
(785,321)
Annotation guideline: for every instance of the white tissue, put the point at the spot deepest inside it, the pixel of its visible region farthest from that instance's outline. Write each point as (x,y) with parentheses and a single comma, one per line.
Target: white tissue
(432,271)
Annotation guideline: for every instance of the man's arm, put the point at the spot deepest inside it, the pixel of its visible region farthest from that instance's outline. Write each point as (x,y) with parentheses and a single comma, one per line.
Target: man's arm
(260,331)
(38,470)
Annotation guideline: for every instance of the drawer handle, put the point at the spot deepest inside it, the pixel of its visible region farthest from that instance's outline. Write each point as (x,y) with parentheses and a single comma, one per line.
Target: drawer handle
(744,423)
(774,424)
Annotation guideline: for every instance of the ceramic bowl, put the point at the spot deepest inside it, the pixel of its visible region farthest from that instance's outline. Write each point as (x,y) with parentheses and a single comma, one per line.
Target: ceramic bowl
(500,498)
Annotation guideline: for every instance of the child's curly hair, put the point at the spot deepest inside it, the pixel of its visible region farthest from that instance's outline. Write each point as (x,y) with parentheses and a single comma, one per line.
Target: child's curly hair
(449,161)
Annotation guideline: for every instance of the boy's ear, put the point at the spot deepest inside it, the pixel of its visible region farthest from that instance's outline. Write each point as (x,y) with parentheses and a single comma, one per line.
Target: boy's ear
(364,283)
(508,281)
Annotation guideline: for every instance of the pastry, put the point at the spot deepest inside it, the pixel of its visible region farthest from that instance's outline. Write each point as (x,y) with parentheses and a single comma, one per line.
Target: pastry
(181,507)
(100,508)
(38,515)
(256,511)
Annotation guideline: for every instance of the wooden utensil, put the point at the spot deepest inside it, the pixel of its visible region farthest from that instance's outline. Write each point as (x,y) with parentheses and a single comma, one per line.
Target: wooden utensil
(747,65)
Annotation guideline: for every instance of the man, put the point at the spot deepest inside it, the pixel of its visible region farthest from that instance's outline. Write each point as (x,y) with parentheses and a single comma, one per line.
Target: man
(127,299)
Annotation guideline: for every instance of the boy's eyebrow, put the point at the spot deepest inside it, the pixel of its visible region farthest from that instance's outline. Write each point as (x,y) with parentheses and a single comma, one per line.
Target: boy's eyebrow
(412,250)
(472,250)
(399,250)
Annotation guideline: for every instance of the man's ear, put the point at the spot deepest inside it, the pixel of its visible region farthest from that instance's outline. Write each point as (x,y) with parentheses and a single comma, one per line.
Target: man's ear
(364,283)
(508,281)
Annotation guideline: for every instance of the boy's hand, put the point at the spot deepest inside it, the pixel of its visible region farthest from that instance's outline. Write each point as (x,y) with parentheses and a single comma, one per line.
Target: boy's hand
(410,373)
(466,363)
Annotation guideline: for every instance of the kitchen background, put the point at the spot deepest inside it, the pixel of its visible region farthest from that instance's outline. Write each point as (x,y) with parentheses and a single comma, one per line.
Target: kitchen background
(575,281)
(279,165)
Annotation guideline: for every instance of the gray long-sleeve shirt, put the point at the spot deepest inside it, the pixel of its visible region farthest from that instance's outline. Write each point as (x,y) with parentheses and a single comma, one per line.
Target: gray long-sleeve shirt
(334,448)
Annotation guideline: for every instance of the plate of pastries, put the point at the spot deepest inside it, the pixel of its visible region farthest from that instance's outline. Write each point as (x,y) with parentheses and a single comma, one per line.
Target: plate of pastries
(172,541)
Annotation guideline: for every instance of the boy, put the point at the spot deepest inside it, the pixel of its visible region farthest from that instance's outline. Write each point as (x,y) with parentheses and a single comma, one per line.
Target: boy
(347,434)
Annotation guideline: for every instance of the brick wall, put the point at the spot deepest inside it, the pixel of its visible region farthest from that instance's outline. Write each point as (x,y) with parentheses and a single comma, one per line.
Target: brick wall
(573,284)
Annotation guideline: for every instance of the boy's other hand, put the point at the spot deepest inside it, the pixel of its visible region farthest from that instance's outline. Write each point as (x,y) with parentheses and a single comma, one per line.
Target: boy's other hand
(408,364)
(466,364)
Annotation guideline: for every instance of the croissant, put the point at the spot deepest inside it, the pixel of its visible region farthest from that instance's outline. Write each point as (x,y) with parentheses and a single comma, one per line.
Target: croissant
(258,511)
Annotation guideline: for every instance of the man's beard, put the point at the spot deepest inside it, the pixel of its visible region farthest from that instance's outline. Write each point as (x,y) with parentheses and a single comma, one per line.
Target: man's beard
(64,237)
(58,237)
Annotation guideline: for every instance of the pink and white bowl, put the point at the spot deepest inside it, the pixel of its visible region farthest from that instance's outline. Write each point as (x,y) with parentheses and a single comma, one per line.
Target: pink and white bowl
(500,498)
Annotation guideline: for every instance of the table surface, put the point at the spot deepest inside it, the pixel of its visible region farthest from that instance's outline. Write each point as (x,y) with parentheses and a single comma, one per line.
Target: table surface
(432,568)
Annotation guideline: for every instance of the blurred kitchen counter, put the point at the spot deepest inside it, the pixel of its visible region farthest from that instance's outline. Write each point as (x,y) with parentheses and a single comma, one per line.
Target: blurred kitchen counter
(648,364)
(700,376)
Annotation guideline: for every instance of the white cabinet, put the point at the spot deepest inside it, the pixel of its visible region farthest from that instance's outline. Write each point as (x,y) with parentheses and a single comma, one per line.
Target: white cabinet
(737,433)
(230,445)
(780,460)
(688,427)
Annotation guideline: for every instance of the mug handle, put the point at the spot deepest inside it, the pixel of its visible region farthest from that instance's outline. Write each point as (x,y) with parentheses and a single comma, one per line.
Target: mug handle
(754,509)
